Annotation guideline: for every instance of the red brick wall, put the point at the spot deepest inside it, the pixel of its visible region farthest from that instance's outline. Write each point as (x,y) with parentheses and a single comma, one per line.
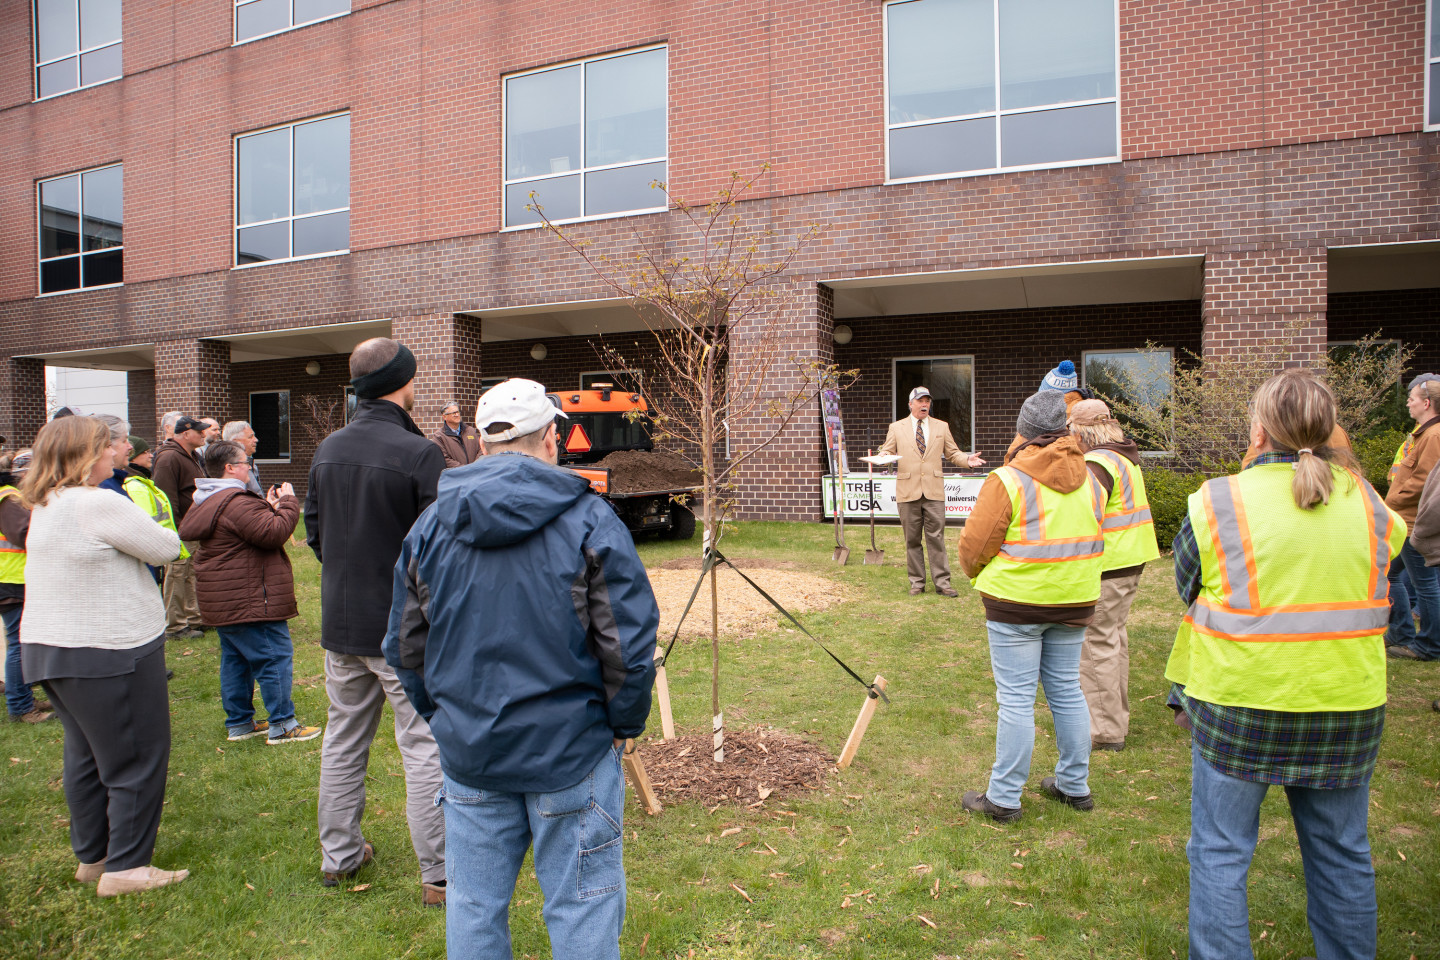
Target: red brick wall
(140,390)
(193,376)
(327,387)
(22,400)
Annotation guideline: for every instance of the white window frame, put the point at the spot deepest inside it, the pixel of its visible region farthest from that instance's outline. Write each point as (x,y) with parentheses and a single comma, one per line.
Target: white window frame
(78,54)
(1084,364)
(997,113)
(974,376)
(236,225)
(235,24)
(1432,61)
(250,414)
(582,170)
(80,227)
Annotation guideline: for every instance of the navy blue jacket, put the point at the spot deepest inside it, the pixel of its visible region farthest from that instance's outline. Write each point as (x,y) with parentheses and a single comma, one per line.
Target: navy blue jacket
(522,625)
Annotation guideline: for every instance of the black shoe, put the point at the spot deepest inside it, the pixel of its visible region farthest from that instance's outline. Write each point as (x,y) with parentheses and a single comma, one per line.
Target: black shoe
(1435,705)
(1115,747)
(333,879)
(169,674)
(1047,787)
(979,803)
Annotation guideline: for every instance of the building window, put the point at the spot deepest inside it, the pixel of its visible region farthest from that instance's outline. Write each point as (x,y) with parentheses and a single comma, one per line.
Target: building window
(629,381)
(270,419)
(77,44)
(1432,66)
(587,138)
(293,191)
(81,226)
(976,86)
(259,18)
(951,382)
(1139,379)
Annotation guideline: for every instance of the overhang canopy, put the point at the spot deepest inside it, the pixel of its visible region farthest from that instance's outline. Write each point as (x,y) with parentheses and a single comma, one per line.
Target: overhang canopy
(580,318)
(302,341)
(1384,266)
(134,356)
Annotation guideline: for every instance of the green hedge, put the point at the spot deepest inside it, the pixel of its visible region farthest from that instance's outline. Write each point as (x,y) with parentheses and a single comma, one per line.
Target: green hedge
(1376,453)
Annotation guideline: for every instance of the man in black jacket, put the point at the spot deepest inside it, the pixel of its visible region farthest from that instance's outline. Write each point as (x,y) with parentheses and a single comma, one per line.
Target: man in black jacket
(368,483)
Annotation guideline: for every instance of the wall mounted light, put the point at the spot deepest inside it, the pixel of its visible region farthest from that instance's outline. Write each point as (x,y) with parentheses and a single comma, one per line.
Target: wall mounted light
(313,368)
(538,352)
(843,334)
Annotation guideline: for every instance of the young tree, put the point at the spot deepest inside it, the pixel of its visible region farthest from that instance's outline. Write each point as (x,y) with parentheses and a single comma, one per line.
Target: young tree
(695,304)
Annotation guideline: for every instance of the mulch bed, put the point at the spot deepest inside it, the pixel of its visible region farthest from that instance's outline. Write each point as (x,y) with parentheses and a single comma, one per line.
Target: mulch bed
(643,471)
(762,766)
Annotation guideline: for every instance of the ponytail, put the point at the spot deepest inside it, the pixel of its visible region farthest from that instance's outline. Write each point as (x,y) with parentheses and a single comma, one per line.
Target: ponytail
(1298,413)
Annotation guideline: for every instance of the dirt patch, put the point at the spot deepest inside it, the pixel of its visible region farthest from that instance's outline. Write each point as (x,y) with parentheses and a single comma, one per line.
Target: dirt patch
(743,612)
(644,471)
(748,563)
(975,880)
(762,765)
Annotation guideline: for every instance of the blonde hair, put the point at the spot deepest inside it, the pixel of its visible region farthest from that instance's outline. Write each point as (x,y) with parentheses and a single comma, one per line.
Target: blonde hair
(65,452)
(1096,433)
(1297,413)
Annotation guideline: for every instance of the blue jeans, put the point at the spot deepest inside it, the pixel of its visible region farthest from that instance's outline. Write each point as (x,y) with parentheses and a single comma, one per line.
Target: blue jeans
(18,698)
(1022,655)
(578,839)
(252,653)
(1425,582)
(1339,879)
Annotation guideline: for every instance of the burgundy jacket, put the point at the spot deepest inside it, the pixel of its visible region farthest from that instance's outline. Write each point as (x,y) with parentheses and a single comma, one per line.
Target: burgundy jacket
(242,573)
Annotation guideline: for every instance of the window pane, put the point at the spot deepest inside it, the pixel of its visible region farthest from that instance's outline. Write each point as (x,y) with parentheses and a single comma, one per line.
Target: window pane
(322,165)
(951,383)
(104,196)
(625,108)
(559,197)
(265,176)
(307,10)
(270,242)
(1434,33)
(623,188)
(941,59)
(55,22)
(104,64)
(1053,51)
(60,275)
(59,77)
(1434,94)
(542,123)
(1141,379)
(937,148)
(262,16)
(322,234)
(102,268)
(99,22)
(270,419)
(60,217)
(1054,136)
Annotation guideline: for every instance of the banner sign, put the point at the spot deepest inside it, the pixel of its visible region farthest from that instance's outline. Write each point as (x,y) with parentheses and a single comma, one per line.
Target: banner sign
(960,494)
(834,431)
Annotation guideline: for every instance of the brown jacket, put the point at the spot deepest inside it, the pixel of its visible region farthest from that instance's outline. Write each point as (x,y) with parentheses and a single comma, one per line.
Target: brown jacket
(1408,477)
(918,476)
(1425,531)
(458,450)
(175,471)
(242,574)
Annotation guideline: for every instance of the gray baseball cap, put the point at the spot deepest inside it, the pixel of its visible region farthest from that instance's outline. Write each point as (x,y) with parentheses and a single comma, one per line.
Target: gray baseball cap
(919,392)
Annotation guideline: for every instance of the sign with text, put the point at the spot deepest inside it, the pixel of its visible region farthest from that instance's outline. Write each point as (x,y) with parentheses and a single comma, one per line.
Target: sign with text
(860,491)
(834,430)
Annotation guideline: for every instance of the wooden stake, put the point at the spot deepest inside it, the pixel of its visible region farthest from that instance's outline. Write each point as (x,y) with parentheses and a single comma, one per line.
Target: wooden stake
(857,732)
(662,693)
(639,779)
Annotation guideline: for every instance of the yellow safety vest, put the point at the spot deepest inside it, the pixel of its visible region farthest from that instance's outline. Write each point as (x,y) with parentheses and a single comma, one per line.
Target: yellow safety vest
(1400,452)
(153,501)
(12,558)
(1293,603)
(1053,547)
(1128,527)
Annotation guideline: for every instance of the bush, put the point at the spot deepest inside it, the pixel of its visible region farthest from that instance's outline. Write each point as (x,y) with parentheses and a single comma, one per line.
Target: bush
(1375,453)
(1169,490)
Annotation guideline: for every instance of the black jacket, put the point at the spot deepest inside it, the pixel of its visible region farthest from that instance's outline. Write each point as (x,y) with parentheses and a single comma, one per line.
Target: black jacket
(369,480)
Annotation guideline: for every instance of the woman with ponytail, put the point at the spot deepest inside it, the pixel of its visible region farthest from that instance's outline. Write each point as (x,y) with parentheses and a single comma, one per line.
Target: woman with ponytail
(1279,669)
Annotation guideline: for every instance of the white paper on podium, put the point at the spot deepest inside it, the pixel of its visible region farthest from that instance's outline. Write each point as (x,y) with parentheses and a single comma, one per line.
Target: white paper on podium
(882,459)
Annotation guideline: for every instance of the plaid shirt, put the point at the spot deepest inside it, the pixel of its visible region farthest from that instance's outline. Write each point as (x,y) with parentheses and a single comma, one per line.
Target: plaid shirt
(1326,750)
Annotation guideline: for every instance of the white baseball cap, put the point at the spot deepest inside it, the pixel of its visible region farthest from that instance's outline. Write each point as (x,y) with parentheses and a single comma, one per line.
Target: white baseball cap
(919,392)
(520,403)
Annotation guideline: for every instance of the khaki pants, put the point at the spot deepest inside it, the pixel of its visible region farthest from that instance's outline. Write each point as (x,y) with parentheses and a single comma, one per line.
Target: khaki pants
(1105,661)
(924,520)
(182,610)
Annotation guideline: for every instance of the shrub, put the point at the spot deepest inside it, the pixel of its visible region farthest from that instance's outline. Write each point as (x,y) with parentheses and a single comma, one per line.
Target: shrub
(1168,491)
(1375,453)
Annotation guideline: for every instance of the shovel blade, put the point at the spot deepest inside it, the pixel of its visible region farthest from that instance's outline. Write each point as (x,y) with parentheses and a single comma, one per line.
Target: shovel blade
(874,557)
(842,555)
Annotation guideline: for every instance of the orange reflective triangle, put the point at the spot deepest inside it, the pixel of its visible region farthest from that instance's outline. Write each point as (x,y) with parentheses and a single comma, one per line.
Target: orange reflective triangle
(578,441)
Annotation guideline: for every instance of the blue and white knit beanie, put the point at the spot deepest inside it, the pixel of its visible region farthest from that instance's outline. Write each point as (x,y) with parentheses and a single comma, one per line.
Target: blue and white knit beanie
(1062,378)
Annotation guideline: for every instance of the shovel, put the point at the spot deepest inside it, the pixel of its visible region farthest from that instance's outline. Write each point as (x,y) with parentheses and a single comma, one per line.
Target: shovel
(874,555)
(842,552)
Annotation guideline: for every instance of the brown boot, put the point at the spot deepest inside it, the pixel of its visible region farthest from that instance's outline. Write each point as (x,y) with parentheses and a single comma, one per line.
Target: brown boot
(333,879)
(34,716)
(432,894)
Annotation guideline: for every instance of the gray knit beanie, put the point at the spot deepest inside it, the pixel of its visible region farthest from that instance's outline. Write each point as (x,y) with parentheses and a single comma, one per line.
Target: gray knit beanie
(1043,412)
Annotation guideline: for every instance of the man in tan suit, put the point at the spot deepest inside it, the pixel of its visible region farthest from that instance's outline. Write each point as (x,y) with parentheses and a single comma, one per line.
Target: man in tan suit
(924,446)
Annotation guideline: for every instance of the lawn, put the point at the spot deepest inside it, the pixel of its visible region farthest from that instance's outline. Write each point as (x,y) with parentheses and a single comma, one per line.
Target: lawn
(880,863)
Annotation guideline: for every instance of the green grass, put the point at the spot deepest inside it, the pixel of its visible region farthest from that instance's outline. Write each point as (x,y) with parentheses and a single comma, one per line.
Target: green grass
(1060,884)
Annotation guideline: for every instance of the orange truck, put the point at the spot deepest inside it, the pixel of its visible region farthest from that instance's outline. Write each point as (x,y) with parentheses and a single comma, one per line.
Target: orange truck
(603,421)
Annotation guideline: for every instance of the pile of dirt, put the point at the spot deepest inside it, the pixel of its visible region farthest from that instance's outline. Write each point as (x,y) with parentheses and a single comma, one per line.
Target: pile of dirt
(761,764)
(643,471)
(743,612)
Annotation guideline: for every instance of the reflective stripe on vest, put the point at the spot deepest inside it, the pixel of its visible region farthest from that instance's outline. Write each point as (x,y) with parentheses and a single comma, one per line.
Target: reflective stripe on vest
(1129,515)
(1036,547)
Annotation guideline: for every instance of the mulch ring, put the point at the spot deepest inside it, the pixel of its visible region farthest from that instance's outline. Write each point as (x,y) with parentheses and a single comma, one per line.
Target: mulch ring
(761,765)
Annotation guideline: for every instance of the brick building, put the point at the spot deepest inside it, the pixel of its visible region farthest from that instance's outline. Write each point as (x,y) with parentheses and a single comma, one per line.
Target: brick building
(222,197)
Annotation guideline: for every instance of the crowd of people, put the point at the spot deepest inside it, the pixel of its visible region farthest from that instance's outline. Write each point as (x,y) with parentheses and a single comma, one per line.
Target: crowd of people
(512,718)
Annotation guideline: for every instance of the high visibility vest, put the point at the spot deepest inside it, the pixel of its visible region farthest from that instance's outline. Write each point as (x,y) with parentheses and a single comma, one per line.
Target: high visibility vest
(1400,452)
(12,558)
(1293,603)
(1053,547)
(1128,527)
(153,501)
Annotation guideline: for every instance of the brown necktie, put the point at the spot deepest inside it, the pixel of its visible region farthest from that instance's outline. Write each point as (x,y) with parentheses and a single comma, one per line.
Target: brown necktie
(920,437)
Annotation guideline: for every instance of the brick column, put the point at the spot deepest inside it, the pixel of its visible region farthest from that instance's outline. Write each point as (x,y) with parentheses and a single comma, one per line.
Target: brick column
(782,482)
(193,376)
(22,400)
(1254,296)
(447,357)
(140,391)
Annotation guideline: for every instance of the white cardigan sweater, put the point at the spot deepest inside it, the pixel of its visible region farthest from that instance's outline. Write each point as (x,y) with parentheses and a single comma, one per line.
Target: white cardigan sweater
(85,579)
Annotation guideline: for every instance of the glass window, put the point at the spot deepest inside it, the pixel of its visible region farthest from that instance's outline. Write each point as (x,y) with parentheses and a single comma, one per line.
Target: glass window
(82,230)
(77,44)
(270,419)
(1432,67)
(586,139)
(951,382)
(1139,378)
(256,18)
(975,86)
(292,191)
